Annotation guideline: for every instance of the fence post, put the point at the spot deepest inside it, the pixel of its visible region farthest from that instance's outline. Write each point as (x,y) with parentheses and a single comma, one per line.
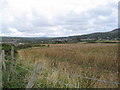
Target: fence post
(12,58)
(3,60)
(34,76)
(1,70)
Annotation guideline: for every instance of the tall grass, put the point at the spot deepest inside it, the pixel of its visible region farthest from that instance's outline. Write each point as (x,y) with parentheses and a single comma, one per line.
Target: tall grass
(92,60)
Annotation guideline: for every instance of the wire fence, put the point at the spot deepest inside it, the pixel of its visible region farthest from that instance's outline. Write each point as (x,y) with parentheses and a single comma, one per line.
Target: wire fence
(30,71)
(62,83)
(74,75)
(90,78)
(47,77)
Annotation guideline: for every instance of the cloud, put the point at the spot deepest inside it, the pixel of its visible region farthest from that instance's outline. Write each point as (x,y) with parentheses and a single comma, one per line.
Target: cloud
(38,18)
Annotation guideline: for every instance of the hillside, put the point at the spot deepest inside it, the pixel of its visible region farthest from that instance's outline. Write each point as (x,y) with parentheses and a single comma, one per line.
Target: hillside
(111,35)
(103,35)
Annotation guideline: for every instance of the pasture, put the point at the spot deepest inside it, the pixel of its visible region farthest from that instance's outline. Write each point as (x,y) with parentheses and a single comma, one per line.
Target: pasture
(64,61)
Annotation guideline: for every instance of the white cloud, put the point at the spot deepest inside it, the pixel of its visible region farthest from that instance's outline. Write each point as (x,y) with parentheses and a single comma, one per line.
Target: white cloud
(14,32)
(56,17)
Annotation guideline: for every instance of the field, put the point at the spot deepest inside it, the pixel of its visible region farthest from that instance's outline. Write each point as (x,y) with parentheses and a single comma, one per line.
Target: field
(64,62)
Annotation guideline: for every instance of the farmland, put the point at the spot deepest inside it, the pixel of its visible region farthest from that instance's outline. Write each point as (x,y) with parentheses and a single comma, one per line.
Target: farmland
(52,44)
(97,60)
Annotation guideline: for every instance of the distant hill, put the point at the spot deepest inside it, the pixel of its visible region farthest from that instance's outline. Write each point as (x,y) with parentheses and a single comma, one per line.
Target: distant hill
(111,35)
(103,35)
(23,39)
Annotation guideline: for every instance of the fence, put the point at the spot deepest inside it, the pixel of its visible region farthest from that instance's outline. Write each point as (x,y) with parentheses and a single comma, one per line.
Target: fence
(38,68)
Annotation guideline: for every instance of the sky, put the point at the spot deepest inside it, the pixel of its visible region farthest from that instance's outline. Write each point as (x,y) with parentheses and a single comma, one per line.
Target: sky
(57,18)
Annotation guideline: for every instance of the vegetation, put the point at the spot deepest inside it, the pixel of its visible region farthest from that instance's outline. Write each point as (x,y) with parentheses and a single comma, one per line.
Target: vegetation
(18,77)
(11,79)
(90,60)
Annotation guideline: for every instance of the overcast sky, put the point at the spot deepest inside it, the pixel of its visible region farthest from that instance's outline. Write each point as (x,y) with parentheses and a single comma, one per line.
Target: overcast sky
(51,18)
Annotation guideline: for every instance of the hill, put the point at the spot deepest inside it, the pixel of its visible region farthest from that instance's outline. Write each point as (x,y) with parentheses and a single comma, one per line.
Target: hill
(103,35)
(111,35)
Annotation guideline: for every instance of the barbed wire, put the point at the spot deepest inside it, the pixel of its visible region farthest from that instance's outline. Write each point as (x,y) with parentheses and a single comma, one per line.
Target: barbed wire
(89,78)
(24,68)
(20,66)
(47,77)
(62,82)
(74,76)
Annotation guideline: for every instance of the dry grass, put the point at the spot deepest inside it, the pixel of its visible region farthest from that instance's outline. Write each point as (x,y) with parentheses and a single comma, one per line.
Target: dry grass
(93,60)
